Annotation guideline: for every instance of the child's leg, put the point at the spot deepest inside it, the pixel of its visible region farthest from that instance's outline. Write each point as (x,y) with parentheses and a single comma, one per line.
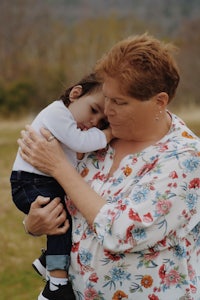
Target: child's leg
(33,185)
(23,190)
(58,257)
(58,246)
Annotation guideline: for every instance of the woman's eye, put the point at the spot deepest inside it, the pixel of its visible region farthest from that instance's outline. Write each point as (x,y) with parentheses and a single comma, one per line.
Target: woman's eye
(118,102)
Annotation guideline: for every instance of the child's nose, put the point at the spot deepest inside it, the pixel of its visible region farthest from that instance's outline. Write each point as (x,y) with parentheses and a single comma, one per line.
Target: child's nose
(95,120)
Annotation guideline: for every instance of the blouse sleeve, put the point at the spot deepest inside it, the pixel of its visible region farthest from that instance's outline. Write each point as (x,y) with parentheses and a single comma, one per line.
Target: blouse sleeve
(161,202)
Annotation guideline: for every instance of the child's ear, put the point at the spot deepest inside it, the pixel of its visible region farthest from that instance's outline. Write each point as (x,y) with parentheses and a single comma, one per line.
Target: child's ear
(75,92)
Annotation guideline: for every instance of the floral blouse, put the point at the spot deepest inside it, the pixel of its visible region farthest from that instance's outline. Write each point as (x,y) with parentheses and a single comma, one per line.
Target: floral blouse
(145,241)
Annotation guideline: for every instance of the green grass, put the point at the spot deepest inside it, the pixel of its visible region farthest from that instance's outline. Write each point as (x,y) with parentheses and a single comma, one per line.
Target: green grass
(18,280)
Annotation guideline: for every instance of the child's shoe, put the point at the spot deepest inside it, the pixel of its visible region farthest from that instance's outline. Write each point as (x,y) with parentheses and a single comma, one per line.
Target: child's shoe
(39,264)
(64,292)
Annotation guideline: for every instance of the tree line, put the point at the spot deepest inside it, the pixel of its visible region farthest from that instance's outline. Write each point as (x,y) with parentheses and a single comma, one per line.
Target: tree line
(41,55)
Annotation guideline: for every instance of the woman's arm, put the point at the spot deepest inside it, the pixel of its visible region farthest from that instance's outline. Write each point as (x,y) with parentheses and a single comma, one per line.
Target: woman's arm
(49,158)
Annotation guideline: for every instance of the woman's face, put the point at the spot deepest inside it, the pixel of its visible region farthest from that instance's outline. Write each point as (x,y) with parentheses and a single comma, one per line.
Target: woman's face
(129,118)
(88,110)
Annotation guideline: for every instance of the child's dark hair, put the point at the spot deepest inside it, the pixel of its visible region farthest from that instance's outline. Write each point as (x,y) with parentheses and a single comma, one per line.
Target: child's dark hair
(89,85)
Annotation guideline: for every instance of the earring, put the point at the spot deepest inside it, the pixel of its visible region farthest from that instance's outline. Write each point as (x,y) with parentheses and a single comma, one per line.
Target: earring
(157,118)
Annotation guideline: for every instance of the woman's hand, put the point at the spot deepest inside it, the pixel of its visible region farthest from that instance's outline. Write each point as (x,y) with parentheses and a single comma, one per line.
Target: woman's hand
(46,217)
(44,153)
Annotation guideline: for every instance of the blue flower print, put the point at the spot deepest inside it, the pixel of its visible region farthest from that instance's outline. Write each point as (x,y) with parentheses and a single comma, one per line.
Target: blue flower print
(117,274)
(85,257)
(141,195)
(191,200)
(191,164)
(179,251)
(139,234)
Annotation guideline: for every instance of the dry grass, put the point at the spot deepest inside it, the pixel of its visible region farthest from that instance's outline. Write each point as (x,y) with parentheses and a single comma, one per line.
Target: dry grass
(18,280)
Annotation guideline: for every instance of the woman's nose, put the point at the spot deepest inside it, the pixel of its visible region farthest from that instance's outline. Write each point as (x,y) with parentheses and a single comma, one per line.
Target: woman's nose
(108,108)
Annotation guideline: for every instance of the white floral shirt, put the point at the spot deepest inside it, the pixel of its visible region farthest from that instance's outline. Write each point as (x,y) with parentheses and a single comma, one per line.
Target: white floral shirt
(145,241)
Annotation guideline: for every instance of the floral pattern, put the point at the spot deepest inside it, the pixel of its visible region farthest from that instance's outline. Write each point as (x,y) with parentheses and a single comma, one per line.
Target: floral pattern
(145,241)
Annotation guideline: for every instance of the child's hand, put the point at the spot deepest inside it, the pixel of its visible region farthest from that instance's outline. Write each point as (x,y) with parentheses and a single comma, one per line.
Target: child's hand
(108,134)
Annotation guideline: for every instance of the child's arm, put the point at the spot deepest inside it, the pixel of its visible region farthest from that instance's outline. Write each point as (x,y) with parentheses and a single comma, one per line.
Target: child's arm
(109,137)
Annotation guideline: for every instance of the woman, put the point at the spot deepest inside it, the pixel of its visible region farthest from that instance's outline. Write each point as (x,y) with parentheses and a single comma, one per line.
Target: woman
(136,225)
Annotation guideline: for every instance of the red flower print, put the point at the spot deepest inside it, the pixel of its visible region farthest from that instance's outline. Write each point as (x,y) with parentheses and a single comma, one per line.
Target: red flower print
(100,154)
(163,147)
(162,272)
(151,255)
(148,218)
(121,206)
(116,193)
(129,235)
(75,247)
(134,160)
(193,288)
(187,242)
(191,272)
(194,183)
(147,167)
(173,175)
(172,277)
(100,176)
(112,256)
(163,207)
(162,242)
(93,277)
(134,215)
(90,294)
(153,297)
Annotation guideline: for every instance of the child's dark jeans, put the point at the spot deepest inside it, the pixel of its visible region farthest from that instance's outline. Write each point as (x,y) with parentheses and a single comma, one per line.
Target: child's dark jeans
(25,189)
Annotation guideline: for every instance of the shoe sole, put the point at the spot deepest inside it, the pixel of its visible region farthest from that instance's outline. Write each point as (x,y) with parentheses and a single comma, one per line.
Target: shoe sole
(41,297)
(39,268)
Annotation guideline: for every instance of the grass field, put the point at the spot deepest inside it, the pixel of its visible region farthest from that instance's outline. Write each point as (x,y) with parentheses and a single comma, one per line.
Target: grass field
(18,281)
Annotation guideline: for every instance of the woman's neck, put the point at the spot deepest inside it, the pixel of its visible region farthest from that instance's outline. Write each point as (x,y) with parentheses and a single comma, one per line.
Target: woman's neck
(154,131)
(124,147)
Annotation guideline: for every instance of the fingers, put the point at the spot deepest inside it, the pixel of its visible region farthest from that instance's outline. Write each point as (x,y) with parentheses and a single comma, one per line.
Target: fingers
(63,229)
(47,217)
(59,230)
(54,210)
(30,135)
(40,202)
(46,133)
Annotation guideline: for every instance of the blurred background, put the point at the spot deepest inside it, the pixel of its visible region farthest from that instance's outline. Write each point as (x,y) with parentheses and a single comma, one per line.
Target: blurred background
(46,45)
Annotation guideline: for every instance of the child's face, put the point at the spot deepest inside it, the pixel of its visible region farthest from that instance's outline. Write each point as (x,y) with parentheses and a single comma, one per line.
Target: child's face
(88,110)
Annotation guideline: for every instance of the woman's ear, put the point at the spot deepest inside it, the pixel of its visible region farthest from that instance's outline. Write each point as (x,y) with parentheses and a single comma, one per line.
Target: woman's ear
(75,92)
(162,99)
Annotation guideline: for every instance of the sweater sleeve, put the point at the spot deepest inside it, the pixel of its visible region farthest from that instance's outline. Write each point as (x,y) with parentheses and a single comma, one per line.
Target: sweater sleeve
(60,122)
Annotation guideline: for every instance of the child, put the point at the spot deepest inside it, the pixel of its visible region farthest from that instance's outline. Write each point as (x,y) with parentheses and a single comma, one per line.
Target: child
(71,120)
